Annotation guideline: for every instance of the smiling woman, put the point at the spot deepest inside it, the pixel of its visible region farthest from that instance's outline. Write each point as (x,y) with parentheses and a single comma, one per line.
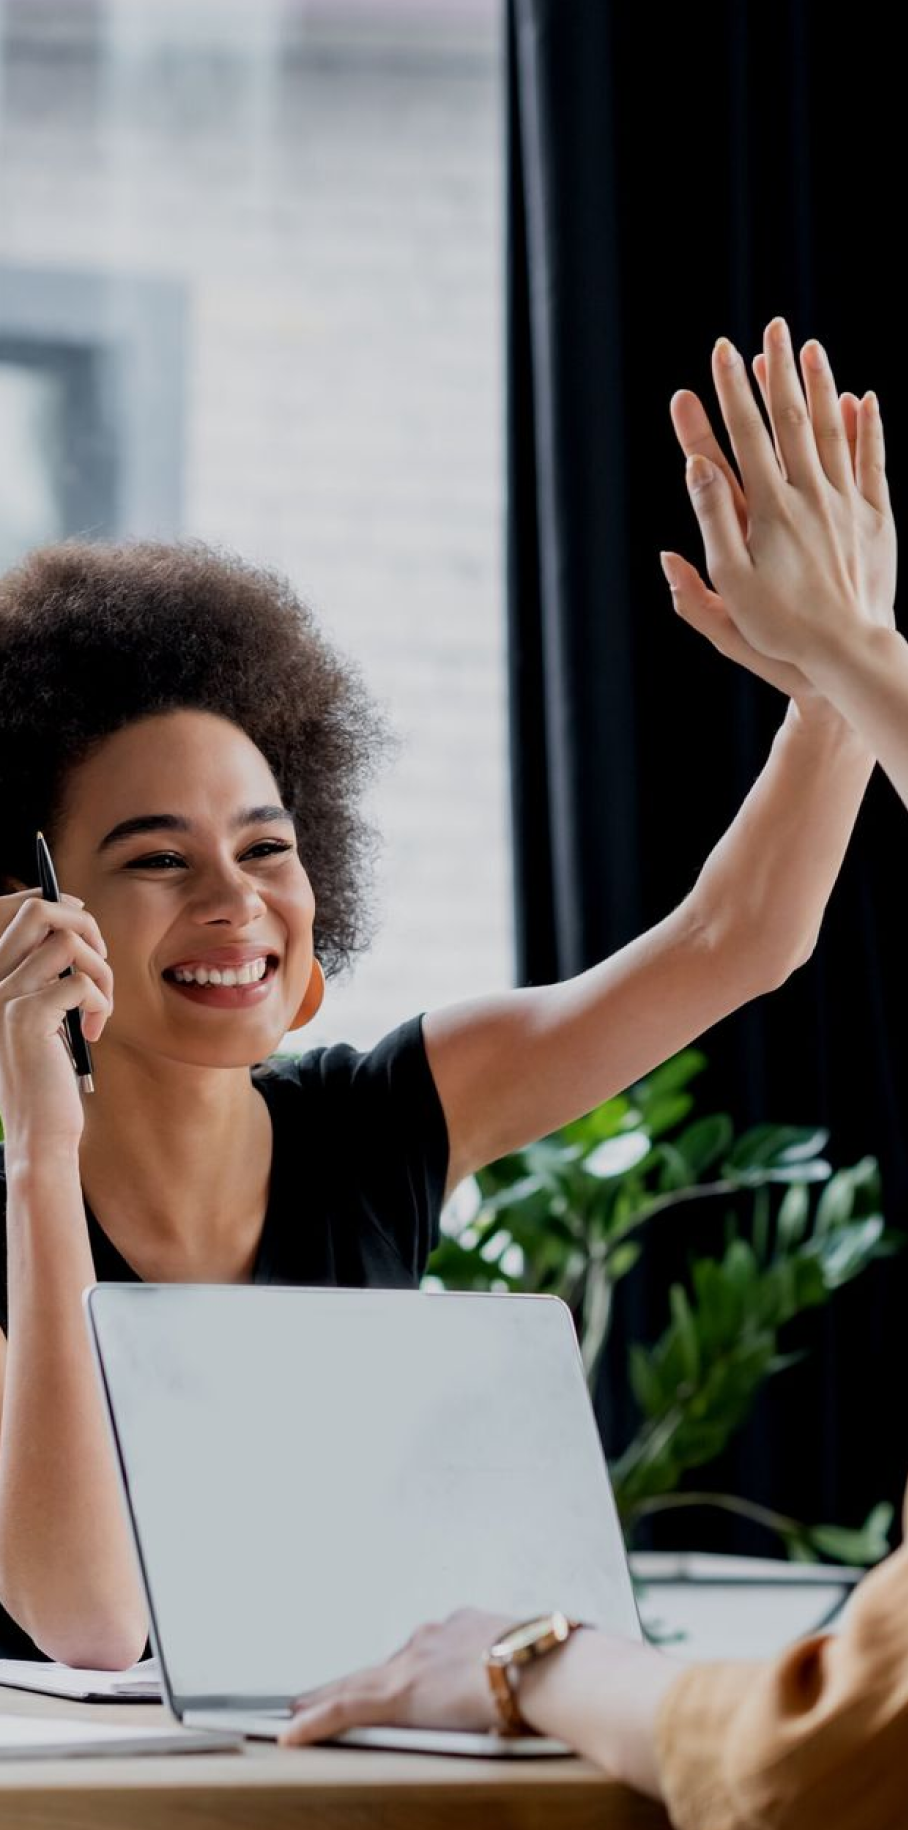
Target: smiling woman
(186,738)
(94,637)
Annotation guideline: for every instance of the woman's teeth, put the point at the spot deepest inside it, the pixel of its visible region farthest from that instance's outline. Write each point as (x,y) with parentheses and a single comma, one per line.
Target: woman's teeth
(249,974)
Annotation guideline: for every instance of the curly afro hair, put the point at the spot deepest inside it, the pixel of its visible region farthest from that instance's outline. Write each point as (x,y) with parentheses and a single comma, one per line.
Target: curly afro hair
(93,637)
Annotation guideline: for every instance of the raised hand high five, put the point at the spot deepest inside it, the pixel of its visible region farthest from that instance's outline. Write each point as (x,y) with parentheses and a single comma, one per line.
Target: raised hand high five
(802,549)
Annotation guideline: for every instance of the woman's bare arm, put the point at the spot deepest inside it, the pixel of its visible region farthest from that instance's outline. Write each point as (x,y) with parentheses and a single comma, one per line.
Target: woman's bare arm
(865,672)
(808,516)
(67,1567)
(513,1067)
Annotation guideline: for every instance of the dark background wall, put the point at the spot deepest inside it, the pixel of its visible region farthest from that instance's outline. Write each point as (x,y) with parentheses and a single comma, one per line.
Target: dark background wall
(676,174)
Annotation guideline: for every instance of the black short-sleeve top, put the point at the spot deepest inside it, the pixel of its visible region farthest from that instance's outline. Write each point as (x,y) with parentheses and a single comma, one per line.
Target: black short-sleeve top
(358,1170)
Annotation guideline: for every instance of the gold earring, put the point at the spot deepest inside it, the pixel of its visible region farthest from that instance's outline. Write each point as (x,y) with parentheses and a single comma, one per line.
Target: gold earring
(312,1002)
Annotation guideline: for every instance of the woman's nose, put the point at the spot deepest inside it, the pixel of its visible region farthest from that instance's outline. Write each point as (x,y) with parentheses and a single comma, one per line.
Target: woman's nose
(228,896)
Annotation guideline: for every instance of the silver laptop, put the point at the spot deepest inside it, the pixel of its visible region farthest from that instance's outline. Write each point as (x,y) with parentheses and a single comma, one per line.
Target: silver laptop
(310,1474)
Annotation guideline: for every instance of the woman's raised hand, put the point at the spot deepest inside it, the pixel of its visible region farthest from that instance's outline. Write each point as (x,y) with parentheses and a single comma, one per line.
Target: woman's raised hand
(804,545)
(39,1095)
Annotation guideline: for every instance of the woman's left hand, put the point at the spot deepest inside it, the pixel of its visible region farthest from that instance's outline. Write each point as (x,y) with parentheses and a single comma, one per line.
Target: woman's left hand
(827,447)
(692,597)
(437,1680)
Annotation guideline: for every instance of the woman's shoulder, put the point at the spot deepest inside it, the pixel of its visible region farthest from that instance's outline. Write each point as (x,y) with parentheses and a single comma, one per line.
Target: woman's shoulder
(367,1128)
(373,1112)
(395,1069)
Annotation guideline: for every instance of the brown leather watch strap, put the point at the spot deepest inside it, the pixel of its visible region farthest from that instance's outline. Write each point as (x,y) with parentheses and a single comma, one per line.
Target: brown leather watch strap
(510,1720)
(522,1645)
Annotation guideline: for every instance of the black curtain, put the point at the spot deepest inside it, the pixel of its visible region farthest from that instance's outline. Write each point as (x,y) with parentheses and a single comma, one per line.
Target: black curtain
(674,174)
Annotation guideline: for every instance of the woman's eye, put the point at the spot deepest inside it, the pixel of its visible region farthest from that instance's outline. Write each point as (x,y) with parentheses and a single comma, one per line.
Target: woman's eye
(171,860)
(158,861)
(267,848)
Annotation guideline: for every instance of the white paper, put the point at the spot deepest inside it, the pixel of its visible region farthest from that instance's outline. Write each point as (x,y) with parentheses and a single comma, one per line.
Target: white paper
(26,1737)
(140,1683)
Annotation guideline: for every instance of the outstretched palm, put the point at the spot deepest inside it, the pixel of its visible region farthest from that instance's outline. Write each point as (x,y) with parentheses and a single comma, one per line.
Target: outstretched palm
(853,464)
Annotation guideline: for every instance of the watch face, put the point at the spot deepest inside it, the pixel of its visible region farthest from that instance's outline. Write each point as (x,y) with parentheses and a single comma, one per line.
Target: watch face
(522,1638)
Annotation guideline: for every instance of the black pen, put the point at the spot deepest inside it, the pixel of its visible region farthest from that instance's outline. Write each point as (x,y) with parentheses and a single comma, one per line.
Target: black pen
(72,1022)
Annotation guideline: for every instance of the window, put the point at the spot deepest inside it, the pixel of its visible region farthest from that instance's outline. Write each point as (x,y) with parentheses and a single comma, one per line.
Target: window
(250,289)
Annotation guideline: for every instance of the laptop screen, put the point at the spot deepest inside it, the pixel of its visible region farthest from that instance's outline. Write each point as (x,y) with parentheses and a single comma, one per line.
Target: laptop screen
(312,1473)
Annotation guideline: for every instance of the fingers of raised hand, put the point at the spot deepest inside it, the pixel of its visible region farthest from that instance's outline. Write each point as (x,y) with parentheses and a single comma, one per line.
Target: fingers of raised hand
(35,920)
(759,369)
(789,411)
(89,989)
(870,463)
(750,439)
(697,438)
(849,408)
(848,404)
(705,611)
(82,992)
(825,408)
(11,901)
(41,1011)
(723,539)
(689,593)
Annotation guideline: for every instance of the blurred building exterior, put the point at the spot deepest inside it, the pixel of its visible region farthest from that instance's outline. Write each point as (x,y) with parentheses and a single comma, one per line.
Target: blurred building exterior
(250,290)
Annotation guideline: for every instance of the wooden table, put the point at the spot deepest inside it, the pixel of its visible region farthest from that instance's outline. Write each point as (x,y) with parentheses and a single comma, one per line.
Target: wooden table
(270,1788)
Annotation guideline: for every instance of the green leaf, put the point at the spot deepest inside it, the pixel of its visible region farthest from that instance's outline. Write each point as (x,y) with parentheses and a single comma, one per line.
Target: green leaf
(763,1145)
(870,1544)
(664,1113)
(603,1122)
(805,1143)
(686,1332)
(516,1195)
(719,1307)
(503,1173)
(810,1286)
(844,1253)
(759,1230)
(793,1217)
(843,1192)
(676,1072)
(799,1547)
(740,1265)
(460,1269)
(622,1259)
(616,1156)
(645,1382)
(704,1142)
(674,1169)
(754,1177)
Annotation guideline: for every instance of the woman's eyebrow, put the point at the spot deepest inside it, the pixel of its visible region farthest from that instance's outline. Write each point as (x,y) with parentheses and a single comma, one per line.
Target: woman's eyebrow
(174,822)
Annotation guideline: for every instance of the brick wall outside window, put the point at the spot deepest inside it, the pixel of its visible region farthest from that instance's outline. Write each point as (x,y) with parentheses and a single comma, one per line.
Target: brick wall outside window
(320,188)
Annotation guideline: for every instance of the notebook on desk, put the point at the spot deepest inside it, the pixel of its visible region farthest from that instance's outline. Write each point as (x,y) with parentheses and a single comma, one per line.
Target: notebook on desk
(310,1474)
(140,1684)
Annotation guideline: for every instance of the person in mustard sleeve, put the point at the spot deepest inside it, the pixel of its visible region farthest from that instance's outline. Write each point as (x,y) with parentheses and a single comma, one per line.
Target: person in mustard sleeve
(817,1737)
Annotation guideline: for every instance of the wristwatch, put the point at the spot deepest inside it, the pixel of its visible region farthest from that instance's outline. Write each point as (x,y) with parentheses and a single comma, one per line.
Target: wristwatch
(521,1645)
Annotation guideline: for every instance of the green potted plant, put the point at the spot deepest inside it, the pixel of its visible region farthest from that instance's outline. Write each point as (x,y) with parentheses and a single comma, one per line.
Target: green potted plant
(572,1214)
